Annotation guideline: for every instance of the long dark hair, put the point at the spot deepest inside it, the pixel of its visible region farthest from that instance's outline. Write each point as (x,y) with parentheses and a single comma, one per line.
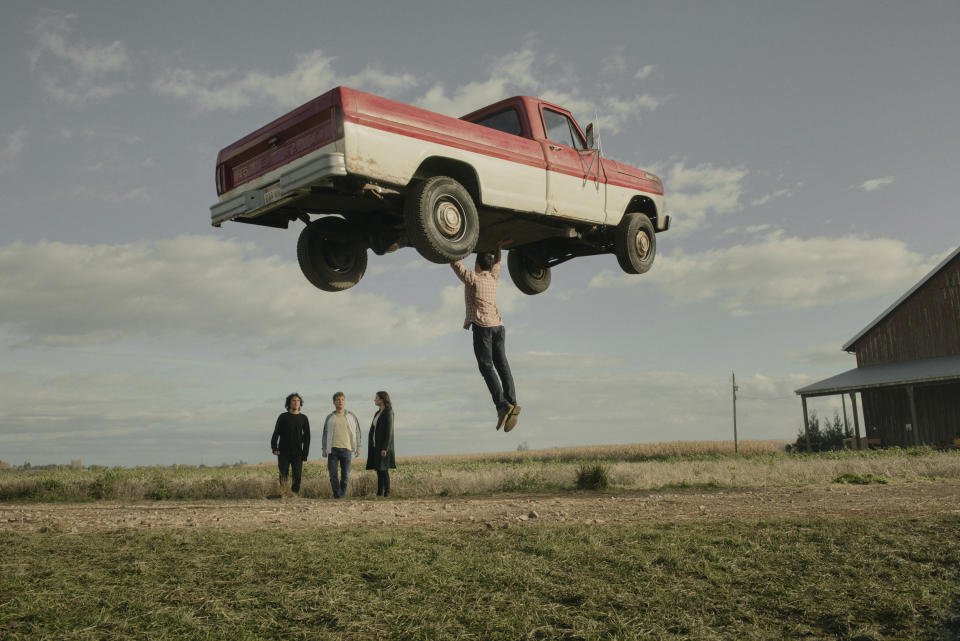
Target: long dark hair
(383,396)
(289,398)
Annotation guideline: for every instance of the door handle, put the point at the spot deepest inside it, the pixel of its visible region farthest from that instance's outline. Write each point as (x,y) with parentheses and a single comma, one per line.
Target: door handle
(555,147)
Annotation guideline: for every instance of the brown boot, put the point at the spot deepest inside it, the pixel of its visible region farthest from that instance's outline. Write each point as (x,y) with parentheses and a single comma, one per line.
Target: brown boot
(512,419)
(503,414)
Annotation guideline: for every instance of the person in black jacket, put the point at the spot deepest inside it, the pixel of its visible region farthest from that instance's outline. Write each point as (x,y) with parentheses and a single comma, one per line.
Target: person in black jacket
(380,455)
(290,442)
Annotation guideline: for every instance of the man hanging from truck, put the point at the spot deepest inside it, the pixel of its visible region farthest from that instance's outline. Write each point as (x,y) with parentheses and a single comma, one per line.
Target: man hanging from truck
(489,334)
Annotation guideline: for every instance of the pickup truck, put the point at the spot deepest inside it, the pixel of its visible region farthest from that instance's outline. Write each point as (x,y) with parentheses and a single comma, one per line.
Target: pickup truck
(364,172)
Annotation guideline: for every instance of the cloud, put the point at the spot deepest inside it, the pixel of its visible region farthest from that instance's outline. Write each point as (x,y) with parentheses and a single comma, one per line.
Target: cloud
(530,72)
(563,392)
(72,294)
(128,418)
(12,147)
(763,200)
(877,183)
(133,418)
(312,74)
(71,71)
(644,72)
(701,191)
(613,64)
(515,71)
(829,354)
(784,272)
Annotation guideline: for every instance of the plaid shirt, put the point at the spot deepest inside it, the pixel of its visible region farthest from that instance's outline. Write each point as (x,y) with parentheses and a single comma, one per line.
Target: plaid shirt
(480,293)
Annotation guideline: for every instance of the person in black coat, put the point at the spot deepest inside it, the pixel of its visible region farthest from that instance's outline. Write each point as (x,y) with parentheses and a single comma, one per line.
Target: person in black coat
(290,442)
(380,456)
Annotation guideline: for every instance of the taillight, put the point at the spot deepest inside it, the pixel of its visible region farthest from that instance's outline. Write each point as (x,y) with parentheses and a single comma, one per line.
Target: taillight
(338,121)
(221,182)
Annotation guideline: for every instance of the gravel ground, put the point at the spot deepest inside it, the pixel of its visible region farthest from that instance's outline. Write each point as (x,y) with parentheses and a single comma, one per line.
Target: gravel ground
(500,511)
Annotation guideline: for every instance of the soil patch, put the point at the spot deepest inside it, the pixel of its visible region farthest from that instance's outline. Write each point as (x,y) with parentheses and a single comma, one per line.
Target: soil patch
(500,511)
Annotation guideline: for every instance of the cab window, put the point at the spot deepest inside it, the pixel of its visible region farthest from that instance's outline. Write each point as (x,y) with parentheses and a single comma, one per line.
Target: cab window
(560,129)
(507,121)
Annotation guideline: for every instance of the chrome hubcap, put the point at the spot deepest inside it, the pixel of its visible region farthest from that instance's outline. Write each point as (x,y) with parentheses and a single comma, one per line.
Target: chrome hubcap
(643,244)
(449,219)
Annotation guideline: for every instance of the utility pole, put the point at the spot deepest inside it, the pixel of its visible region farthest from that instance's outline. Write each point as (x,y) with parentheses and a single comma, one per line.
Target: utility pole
(736,444)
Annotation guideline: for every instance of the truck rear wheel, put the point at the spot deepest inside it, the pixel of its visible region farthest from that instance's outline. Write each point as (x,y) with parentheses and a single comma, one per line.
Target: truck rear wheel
(442,220)
(529,275)
(329,255)
(635,243)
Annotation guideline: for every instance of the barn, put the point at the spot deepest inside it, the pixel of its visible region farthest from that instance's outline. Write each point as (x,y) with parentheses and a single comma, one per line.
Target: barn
(908,366)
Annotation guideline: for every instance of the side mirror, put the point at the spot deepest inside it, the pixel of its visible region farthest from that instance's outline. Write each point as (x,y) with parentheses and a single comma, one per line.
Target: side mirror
(590,140)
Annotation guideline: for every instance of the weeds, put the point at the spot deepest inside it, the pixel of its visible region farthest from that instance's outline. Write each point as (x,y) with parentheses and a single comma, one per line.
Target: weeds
(534,471)
(592,477)
(860,479)
(878,578)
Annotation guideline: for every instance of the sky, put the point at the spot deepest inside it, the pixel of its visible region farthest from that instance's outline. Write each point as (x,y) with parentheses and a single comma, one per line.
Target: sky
(809,153)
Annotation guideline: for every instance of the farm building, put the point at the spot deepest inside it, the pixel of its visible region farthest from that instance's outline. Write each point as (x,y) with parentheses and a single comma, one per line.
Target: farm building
(908,366)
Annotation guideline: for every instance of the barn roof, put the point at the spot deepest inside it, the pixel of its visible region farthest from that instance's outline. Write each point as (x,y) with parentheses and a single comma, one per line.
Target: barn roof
(927,370)
(848,347)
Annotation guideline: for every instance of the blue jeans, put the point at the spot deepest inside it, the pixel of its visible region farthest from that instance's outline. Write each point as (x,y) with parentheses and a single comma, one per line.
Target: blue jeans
(339,456)
(489,346)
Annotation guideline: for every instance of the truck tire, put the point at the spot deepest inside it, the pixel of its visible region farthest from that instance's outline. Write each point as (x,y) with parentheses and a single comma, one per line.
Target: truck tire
(635,243)
(528,274)
(329,256)
(441,220)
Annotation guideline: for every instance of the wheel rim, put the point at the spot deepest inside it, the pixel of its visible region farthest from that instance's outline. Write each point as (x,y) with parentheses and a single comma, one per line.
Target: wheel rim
(642,243)
(338,256)
(536,272)
(448,219)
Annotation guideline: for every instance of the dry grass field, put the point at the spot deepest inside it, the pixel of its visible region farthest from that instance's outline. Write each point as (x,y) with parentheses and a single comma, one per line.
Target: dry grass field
(679,542)
(626,468)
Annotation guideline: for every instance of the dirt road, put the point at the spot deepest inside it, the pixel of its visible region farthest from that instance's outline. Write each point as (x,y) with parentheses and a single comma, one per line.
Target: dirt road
(834,501)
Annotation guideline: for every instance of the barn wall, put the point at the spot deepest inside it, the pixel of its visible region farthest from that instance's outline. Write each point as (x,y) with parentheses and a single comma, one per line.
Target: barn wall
(886,411)
(926,325)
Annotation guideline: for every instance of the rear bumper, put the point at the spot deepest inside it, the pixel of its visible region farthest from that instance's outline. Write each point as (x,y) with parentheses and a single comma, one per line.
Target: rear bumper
(277,188)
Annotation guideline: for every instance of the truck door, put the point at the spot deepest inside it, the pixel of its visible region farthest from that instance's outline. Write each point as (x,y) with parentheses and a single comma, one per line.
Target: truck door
(575,188)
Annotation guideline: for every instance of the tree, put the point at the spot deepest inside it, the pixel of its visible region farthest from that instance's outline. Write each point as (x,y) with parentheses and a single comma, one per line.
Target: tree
(826,436)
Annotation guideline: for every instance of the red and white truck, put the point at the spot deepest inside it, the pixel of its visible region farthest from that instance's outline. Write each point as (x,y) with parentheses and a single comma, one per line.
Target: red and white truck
(364,172)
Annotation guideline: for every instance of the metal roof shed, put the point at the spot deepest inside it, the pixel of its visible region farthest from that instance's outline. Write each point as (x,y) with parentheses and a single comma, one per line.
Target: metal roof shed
(908,365)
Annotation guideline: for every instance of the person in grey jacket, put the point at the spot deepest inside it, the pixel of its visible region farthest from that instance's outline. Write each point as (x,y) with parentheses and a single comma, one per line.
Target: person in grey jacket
(341,441)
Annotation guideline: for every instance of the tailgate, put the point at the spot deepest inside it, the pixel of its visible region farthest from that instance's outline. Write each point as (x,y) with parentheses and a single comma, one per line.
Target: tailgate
(305,129)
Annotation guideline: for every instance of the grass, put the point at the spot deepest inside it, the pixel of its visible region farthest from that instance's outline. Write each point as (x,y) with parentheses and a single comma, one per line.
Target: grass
(863,578)
(627,468)
(592,477)
(860,479)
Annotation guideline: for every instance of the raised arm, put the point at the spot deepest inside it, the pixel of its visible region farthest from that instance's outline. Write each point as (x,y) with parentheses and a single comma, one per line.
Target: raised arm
(464,274)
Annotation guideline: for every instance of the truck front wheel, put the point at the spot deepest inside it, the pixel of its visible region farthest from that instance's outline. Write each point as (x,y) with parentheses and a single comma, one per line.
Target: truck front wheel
(635,243)
(529,275)
(329,255)
(441,220)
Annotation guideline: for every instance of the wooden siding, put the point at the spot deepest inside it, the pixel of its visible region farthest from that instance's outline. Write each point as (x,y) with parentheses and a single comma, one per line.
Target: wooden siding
(887,411)
(926,325)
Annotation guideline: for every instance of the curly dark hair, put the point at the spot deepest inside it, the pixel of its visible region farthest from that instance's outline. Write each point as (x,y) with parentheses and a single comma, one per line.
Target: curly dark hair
(485,260)
(286,403)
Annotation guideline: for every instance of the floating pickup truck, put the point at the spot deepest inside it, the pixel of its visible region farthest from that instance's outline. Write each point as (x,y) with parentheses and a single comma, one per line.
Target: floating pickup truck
(364,172)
